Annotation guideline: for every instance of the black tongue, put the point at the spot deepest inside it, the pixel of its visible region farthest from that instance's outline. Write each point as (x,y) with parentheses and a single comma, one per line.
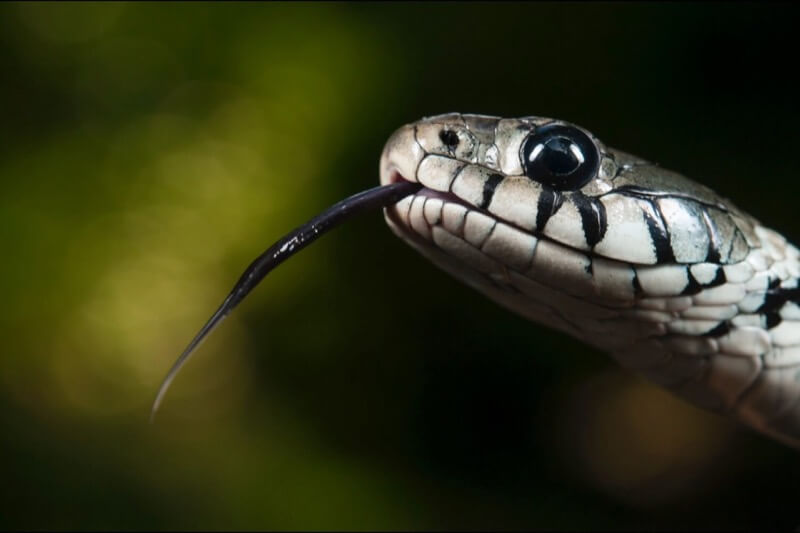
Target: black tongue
(284,248)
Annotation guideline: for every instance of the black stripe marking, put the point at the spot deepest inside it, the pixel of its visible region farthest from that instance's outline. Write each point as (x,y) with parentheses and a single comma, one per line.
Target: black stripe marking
(658,233)
(488,189)
(712,255)
(549,203)
(718,280)
(719,330)
(772,319)
(693,287)
(775,299)
(593,218)
(637,287)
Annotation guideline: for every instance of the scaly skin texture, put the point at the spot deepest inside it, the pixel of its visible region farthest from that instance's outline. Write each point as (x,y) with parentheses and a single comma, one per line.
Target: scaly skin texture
(674,281)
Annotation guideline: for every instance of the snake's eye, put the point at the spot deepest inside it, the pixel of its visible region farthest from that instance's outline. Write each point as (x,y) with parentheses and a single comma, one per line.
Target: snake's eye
(561,157)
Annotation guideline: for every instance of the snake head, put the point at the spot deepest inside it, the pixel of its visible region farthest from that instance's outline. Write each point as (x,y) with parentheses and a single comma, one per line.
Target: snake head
(547,200)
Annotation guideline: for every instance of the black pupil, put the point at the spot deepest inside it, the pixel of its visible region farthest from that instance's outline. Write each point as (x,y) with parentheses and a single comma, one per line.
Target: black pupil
(558,157)
(449,138)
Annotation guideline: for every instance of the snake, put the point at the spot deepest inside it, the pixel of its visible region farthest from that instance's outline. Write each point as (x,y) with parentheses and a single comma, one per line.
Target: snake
(672,280)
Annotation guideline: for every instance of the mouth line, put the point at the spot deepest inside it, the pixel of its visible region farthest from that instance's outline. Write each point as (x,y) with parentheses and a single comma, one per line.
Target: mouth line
(449,197)
(396,177)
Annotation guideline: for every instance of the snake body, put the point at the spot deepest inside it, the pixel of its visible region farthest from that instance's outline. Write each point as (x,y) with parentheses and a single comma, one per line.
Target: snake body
(674,281)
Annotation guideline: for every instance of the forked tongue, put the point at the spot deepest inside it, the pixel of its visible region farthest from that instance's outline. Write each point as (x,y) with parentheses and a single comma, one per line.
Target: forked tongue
(284,248)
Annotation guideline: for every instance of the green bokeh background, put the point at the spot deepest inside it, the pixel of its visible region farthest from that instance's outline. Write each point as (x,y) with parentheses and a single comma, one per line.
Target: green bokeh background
(149,151)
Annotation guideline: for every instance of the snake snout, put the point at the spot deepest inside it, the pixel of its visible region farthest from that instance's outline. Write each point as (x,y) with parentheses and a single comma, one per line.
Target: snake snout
(401,156)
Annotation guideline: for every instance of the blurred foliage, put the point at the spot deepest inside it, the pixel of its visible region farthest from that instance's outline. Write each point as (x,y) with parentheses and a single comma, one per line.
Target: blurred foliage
(149,151)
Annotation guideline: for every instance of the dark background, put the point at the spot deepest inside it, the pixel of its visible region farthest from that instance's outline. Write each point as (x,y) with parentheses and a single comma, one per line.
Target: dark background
(149,151)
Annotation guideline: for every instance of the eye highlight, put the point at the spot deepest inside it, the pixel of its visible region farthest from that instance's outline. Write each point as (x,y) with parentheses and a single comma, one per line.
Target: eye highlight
(559,156)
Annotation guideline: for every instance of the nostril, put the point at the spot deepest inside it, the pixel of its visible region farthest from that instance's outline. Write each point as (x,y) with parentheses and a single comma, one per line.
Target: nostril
(449,138)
